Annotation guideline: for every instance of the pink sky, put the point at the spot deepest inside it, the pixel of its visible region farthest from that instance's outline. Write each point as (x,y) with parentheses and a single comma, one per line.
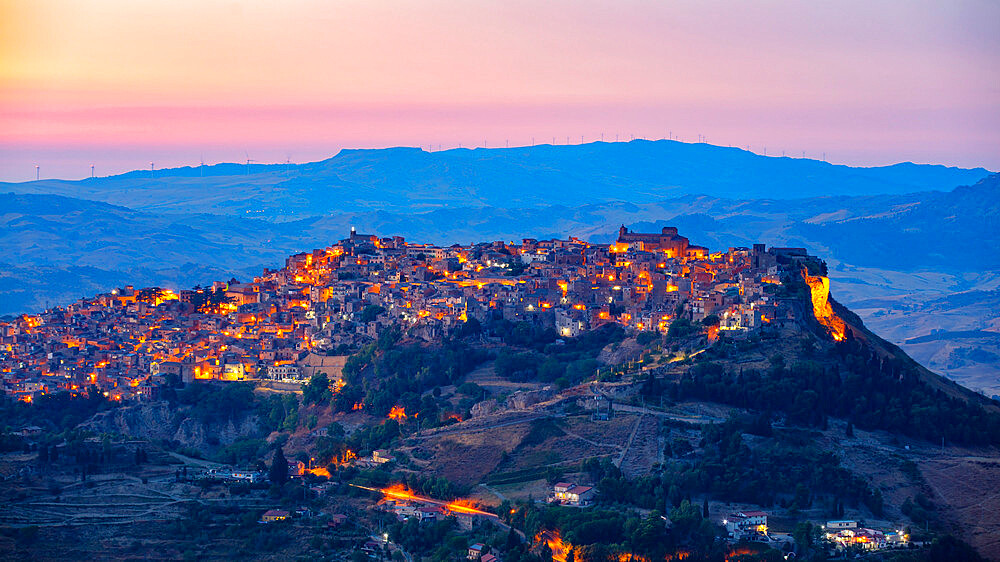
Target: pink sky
(121,83)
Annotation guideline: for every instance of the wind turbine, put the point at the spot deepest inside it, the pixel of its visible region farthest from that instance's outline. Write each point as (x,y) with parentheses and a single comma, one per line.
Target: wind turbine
(152,167)
(248,161)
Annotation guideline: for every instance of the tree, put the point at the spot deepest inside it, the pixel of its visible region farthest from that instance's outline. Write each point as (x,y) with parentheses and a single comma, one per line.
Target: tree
(951,549)
(317,390)
(850,429)
(279,467)
(370,313)
(704,508)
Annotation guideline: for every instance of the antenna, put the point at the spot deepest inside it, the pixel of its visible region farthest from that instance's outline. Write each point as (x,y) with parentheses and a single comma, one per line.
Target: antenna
(507,143)
(553,141)
(602,137)
(824,157)
(532,141)
(581,139)
(201,166)
(151,168)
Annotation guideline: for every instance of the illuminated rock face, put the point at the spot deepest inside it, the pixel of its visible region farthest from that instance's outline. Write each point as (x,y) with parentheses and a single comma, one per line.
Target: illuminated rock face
(819,287)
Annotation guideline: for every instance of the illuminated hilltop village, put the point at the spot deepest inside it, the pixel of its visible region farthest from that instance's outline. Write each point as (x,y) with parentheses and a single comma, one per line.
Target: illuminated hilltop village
(336,298)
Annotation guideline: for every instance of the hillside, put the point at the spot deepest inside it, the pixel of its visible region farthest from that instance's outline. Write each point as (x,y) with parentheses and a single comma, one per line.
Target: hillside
(699,424)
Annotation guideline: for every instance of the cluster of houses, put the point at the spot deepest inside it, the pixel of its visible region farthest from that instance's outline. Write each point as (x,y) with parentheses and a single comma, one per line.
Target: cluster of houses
(850,533)
(752,526)
(128,341)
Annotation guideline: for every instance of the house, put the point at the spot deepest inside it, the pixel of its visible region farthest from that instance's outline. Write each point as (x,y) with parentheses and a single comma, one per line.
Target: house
(30,431)
(382,456)
(251,476)
(745,524)
(567,493)
(430,513)
(296,468)
(489,558)
(336,520)
(476,551)
(272,515)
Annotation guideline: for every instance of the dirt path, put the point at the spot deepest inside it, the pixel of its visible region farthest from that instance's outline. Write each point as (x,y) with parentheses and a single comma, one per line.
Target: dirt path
(644,448)
(621,457)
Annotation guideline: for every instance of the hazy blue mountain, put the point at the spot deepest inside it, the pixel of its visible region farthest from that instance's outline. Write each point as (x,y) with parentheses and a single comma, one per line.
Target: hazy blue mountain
(410,179)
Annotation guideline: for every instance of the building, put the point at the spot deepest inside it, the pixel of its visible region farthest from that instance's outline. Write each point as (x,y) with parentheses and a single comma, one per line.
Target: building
(272,515)
(746,524)
(476,551)
(566,493)
(870,539)
(381,456)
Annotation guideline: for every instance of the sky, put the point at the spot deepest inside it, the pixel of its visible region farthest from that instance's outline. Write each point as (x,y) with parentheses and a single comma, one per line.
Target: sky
(120,83)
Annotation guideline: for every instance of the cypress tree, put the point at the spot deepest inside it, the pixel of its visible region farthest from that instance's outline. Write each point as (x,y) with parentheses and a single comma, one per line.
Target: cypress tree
(279,467)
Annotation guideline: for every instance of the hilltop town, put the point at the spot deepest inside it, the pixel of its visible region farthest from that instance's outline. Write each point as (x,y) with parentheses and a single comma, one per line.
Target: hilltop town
(334,299)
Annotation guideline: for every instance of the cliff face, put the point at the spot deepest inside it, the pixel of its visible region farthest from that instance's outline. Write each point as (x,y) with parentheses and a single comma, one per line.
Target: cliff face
(156,421)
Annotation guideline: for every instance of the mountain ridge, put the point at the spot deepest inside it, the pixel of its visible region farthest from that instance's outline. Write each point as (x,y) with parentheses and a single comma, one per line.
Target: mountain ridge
(408,179)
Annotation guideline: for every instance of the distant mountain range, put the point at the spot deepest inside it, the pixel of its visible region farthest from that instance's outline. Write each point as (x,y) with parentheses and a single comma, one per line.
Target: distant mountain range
(896,237)
(410,179)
